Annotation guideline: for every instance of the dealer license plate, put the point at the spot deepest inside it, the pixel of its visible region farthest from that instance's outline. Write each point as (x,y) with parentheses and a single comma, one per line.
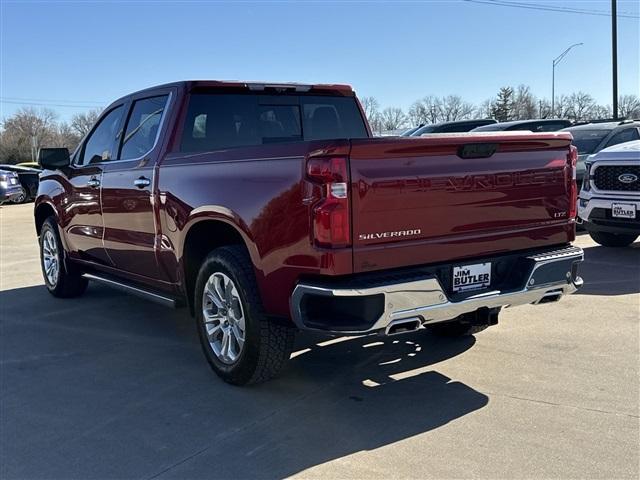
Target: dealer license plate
(471,277)
(623,210)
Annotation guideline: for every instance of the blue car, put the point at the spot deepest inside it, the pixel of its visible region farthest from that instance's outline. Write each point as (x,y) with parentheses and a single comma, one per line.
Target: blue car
(10,187)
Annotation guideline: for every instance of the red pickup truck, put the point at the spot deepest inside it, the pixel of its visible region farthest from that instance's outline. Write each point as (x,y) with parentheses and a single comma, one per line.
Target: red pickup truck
(268,208)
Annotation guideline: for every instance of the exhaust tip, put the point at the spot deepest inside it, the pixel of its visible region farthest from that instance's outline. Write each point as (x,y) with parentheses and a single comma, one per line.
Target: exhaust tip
(549,297)
(403,326)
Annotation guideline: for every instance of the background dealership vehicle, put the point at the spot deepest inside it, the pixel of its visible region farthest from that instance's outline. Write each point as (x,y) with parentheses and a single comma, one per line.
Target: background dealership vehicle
(540,125)
(450,127)
(29,180)
(592,137)
(266,208)
(35,165)
(609,204)
(9,186)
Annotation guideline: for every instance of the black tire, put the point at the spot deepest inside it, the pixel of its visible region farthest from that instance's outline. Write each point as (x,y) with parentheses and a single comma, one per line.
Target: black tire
(22,197)
(455,328)
(613,239)
(267,344)
(68,281)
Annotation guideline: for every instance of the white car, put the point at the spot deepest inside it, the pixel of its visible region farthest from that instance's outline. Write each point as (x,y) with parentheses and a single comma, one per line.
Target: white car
(609,201)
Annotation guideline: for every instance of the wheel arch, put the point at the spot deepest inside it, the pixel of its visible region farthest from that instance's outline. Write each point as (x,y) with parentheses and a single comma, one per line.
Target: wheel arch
(202,235)
(42,211)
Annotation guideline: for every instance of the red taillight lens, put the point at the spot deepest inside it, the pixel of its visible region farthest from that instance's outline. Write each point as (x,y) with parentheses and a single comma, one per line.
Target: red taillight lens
(331,219)
(572,162)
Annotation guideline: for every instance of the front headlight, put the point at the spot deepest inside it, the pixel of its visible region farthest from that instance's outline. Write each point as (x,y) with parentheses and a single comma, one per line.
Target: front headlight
(586,180)
(4,183)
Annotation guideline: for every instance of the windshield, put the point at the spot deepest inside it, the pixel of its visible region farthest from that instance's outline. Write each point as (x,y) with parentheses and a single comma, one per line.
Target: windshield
(420,131)
(586,141)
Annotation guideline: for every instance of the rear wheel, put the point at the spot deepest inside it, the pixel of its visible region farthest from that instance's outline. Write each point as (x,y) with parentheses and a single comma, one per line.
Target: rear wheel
(240,343)
(61,279)
(613,239)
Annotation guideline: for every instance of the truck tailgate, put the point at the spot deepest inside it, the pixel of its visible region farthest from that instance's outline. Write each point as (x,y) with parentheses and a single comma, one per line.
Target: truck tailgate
(445,197)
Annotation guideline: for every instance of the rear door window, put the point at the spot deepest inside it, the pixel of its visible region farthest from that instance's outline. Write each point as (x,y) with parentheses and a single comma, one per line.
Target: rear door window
(142,127)
(219,121)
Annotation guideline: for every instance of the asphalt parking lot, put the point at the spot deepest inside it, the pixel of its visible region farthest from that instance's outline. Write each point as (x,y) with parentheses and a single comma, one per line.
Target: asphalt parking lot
(111,386)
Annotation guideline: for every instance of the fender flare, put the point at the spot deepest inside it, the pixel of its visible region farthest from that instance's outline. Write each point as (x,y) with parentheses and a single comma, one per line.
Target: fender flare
(224,215)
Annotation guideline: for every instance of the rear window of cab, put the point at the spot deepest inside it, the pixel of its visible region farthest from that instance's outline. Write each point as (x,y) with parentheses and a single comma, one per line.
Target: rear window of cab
(218,121)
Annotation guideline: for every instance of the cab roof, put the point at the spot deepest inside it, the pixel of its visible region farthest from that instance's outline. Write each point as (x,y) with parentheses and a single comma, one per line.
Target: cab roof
(343,89)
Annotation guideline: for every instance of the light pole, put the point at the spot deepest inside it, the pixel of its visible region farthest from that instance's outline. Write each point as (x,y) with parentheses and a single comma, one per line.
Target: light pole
(614,55)
(556,61)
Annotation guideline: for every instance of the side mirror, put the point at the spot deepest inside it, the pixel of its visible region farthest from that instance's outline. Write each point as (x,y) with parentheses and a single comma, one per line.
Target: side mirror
(53,158)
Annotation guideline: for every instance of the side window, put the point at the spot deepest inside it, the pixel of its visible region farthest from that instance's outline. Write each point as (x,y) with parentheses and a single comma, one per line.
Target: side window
(100,144)
(626,135)
(142,127)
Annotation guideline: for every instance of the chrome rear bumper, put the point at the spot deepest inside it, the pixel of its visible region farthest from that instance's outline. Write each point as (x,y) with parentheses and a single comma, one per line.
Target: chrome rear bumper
(552,274)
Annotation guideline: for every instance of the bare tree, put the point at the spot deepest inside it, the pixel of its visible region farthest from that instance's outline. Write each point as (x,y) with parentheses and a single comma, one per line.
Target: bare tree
(425,111)
(81,123)
(484,110)
(25,132)
(544,109)
(581,106)
(629,106)
(453,107)
(371,109)
(524,104)
(65,136)
(393,118)
(370,105)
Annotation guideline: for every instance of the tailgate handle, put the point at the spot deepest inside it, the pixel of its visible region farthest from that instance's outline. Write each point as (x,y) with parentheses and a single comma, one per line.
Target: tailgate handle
(477,150)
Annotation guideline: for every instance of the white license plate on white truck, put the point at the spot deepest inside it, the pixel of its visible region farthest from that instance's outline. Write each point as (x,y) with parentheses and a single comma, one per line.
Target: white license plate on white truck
(623,210)
(471,277)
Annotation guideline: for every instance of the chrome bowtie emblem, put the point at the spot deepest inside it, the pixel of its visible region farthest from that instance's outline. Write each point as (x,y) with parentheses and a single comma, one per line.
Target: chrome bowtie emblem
(628,178)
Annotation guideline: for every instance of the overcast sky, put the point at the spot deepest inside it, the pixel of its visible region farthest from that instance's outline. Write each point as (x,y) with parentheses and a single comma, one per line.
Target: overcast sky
(89,53)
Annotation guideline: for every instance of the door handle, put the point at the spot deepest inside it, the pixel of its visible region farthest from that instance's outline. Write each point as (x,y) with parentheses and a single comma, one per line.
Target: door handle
(93,183)
(142,182)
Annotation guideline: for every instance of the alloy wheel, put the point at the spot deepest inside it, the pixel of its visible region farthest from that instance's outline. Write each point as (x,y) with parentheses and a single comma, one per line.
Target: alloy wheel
(223,318)
(50,257)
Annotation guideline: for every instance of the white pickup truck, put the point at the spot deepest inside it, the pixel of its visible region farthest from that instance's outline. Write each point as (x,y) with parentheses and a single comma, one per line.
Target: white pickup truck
(609,203)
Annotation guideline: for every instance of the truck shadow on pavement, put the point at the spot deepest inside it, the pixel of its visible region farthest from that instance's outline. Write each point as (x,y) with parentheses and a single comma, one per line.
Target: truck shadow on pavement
(110,386)
(610,271)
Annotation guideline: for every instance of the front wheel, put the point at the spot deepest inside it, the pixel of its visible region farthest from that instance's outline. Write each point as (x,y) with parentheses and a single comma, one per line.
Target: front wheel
(21,197)
(240,343)
(613,239)
(62,280)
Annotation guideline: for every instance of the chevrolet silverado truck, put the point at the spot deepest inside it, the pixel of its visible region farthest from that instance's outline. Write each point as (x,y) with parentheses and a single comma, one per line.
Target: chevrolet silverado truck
(269,208)
(609,205)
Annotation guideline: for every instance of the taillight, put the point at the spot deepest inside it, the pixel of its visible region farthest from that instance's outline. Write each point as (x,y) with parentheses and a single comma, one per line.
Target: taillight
(331,219)
(572,161)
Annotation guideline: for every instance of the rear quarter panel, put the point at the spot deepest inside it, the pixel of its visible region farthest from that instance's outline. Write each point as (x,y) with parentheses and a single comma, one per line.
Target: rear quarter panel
(262,193)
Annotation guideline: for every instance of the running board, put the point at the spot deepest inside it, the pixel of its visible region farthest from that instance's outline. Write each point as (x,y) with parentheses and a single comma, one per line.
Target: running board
(160,298)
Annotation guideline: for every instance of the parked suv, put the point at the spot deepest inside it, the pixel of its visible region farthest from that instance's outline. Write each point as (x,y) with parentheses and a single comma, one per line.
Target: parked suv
(540,125)
(609,204)
(269,208)
(28,178)
(450,127)
(590,138)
